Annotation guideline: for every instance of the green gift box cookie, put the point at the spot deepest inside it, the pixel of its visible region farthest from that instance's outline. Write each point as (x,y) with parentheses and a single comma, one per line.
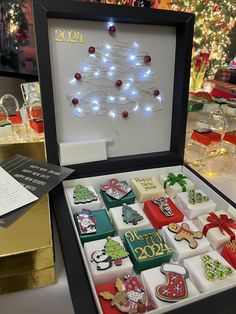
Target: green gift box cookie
(115,193)
(147,249)
(93,225)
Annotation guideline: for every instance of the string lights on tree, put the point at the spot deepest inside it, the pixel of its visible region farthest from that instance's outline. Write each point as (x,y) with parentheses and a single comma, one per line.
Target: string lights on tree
(213,21)
(115,79)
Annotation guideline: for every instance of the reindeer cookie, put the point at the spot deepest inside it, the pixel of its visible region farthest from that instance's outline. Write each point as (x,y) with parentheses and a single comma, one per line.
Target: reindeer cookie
(130,296)
(183,232)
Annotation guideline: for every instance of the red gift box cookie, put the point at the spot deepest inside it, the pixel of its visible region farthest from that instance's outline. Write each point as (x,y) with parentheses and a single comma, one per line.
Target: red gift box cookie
(159,214)
(229,253)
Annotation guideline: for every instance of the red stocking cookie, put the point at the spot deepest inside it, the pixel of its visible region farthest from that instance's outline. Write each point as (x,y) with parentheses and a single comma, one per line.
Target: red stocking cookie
(175,288)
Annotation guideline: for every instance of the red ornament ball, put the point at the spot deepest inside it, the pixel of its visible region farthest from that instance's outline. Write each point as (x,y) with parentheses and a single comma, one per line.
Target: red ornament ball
(75,101)
(125,114)
(156,93)
(91,50)
(119,83)
(112,30)
(147,59)
(77,76)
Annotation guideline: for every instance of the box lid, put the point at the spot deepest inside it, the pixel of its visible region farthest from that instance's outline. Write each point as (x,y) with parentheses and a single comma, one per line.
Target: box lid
(114,84)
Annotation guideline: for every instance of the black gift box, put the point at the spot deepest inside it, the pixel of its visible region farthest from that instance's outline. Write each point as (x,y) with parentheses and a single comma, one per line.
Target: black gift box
(48,13)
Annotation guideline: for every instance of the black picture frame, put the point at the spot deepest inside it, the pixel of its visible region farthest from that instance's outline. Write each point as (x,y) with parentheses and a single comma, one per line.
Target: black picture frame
(184,23)
(80,289)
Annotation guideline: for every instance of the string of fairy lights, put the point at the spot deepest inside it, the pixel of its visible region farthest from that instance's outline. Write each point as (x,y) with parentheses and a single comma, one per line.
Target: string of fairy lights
(213,21)
(115,79)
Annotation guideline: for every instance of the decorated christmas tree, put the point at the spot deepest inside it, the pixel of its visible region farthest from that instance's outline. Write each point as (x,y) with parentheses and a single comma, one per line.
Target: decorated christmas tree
(130,215)
(213,22)
(14,31)
(83,195)
(115,250)
(115,78)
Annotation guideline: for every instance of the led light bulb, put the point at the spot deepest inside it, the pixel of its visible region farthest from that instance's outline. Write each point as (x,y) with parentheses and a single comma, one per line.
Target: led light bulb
(112,114)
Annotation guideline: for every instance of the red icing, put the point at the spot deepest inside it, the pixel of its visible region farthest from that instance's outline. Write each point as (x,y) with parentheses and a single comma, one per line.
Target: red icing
(174,289)
(110,286)
(223,222)
(206,138)
(185,230)
(230,137)
(37,126)
(15,119)
(229,253)
(157,218)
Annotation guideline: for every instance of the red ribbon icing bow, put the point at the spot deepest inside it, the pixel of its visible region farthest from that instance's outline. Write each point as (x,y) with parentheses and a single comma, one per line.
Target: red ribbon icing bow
(112,184)
(224,223)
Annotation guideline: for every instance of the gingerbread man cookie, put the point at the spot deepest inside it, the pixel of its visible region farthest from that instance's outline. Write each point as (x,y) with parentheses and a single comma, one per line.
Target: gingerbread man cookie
(183,232)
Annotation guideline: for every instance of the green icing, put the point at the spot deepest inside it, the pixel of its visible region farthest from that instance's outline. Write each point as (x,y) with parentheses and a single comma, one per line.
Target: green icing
(214,269)
(4,123)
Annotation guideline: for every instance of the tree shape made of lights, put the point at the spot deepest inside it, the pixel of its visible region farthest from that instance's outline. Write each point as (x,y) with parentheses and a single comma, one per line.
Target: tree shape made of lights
(115,79)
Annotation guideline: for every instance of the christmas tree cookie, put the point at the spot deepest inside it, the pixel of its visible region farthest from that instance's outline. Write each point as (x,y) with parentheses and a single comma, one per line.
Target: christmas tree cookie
(195,203)
(82,196)
(147,249)
(114,193)
(168,283)
(185,240)
(107,259)
(162,211)
(210,271)
(146,187)
(128,217)
(174,183)
(96,220)
(124,295)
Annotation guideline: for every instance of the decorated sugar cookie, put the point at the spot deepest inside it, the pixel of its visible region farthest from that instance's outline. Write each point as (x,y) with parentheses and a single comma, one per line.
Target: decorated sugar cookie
(183,232)
(87,223)
(214,269)
(175,287)
(163,205)
(113,252)
(83,195)
(116,189)
(130,215)
(196,197)
(129,296)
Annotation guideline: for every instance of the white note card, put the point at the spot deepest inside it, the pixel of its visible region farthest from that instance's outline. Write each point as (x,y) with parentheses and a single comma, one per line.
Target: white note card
(12,194)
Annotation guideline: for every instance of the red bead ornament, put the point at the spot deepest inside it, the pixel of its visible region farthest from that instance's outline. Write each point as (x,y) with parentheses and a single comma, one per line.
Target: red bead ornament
(112,30)
(156,93)
(147,59)
(125,114)
(75,101)
(119,83)
(78,76)
(91,50)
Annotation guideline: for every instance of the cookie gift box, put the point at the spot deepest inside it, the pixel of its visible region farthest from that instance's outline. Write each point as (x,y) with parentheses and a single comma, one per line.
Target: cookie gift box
(97,119)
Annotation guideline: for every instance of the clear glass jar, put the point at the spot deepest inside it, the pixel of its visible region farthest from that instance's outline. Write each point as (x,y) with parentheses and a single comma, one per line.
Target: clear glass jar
(205,149)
